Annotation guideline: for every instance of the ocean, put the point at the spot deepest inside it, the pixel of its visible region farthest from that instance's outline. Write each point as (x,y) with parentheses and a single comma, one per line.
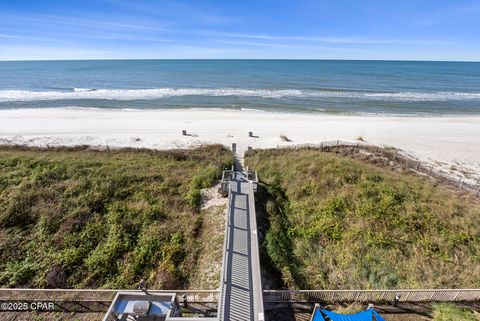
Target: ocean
(306,86)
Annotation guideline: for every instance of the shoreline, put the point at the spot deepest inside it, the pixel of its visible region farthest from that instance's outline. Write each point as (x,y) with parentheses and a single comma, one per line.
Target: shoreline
(447,141)
(305,112)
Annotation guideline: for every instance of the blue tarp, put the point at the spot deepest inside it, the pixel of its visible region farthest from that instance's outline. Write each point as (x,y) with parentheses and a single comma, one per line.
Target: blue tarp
(360,316)
(366,315)
(317,316)
(378,316)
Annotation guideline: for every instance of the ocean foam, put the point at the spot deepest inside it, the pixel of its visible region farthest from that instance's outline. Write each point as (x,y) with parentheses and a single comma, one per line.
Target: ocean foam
(158,93)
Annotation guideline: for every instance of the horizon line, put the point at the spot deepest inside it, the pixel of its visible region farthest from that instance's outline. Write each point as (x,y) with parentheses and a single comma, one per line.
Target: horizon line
(265,59)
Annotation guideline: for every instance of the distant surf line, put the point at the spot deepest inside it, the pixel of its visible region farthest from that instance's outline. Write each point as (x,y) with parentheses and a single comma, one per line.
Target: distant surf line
(159,93)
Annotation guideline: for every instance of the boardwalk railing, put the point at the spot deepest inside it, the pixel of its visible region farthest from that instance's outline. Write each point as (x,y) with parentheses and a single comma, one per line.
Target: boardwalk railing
(455,180)
(88,295)
(221,304)
(371,296)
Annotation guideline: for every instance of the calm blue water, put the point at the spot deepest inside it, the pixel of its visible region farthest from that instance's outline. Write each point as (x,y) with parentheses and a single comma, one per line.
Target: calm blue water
(378,87)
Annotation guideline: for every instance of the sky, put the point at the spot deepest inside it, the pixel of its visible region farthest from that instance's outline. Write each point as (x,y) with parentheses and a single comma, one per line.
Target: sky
(240,29)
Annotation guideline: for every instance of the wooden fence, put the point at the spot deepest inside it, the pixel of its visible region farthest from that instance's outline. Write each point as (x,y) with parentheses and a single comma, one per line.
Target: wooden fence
(399,158)
(90,295)
(371,296)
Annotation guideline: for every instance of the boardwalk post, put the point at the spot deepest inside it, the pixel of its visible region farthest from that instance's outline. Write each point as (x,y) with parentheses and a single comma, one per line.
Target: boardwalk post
(250,134)
(234,147)
(184,132)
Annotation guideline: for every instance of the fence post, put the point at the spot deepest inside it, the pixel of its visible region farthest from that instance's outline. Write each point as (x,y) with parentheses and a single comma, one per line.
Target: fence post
(358,296)
(430,170)
(455,298)
(418,165)
(408,294)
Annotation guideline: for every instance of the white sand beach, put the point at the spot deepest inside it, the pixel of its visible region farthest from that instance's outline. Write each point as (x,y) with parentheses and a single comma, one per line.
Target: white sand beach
(446,141)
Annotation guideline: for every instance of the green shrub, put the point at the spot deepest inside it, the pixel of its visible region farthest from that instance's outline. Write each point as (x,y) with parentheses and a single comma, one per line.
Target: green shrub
(450,312)
(102,219)
(18,273)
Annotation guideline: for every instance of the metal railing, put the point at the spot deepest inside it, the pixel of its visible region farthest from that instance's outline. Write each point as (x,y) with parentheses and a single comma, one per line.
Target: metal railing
(226,241)
(371,296)
(227,177)
(255,259)
(91,295)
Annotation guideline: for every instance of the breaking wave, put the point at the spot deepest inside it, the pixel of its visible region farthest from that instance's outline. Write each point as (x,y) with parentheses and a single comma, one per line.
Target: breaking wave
(159,93)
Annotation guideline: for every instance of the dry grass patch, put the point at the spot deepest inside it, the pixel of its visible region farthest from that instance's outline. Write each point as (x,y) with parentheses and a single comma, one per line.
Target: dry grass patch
(340,223)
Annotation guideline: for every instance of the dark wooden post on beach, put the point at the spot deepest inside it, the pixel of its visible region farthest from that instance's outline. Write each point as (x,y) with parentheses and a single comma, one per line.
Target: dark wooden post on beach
(234,147)
(184,132)
(250,134)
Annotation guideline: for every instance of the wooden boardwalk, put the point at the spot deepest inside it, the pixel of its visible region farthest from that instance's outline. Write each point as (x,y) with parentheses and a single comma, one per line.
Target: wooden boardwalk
(241,291)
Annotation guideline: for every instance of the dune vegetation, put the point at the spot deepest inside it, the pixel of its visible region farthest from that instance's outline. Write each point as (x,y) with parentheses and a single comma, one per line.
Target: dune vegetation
(87,219)
(451,312)
(335,222)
